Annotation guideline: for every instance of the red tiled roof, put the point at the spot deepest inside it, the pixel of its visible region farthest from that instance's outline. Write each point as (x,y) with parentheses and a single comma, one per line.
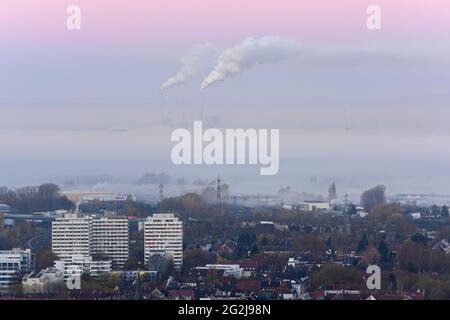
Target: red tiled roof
(347,297)
(248,285)
(176,293)
(316,294)
(249,264)
(390,297)
(284,289)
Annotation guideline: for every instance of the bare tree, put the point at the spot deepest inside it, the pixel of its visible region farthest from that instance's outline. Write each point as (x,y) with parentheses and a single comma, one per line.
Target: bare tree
(372,197)
(48,191)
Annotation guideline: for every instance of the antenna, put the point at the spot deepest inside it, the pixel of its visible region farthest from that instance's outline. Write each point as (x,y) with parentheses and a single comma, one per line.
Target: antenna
(219,197)
(346,203)
(347,214)
(161,197)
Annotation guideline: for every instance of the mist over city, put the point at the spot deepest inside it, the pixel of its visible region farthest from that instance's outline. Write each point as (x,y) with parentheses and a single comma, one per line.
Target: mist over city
(234,152)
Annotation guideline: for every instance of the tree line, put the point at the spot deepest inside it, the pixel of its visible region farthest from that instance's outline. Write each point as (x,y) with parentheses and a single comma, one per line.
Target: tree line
(29,199)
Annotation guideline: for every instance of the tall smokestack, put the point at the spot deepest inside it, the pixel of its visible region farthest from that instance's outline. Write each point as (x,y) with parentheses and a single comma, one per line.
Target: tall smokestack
(192,62)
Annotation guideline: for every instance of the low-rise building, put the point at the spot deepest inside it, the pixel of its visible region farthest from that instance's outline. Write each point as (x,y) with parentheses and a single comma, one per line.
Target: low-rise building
(4,208)
(228,270)
(131,275)
(46,281)
(79,265)
(13,264)
(181,294)
(310,206)
(443,246)
(301,286)
(415,215)
(112,197)
(250,268)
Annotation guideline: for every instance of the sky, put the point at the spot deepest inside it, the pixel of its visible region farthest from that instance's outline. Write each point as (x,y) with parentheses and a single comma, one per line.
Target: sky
(358,107)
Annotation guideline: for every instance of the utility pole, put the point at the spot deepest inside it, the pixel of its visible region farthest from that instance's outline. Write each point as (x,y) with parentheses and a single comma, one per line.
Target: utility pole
(219,198)
(346,203)
(161,197)
(347,214)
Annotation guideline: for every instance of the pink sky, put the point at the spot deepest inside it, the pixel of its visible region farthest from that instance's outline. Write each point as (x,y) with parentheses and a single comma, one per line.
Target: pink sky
(76,86)
(215,20)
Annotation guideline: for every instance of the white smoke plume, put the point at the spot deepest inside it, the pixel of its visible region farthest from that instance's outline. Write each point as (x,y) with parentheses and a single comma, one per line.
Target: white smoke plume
(192,63)
(249,53)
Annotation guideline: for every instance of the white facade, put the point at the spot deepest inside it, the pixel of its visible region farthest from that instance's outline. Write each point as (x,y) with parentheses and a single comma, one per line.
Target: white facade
(79,265)
(110,237)
(13,263)
(315,205)
(415,215)
(163,235)
(71,235)
(43,282)
(229,270)
(443,246)
(75,234)
(108,197)
(99,267)
(4,208)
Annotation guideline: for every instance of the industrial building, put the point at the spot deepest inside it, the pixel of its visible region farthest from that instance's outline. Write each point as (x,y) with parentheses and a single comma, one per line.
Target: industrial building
(311,206)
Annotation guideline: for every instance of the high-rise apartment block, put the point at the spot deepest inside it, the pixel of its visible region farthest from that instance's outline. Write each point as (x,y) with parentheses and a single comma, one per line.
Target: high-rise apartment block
(163,236)
(110,238)
(72,235)
(107,237)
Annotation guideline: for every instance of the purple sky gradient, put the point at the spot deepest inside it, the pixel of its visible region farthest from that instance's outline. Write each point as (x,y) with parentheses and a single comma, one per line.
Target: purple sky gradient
(66,90)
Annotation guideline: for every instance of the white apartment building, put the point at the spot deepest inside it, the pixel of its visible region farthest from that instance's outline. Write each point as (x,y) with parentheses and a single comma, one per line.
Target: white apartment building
(75,234)
(163,235)
(110,238)
(12,264)
(72,235)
